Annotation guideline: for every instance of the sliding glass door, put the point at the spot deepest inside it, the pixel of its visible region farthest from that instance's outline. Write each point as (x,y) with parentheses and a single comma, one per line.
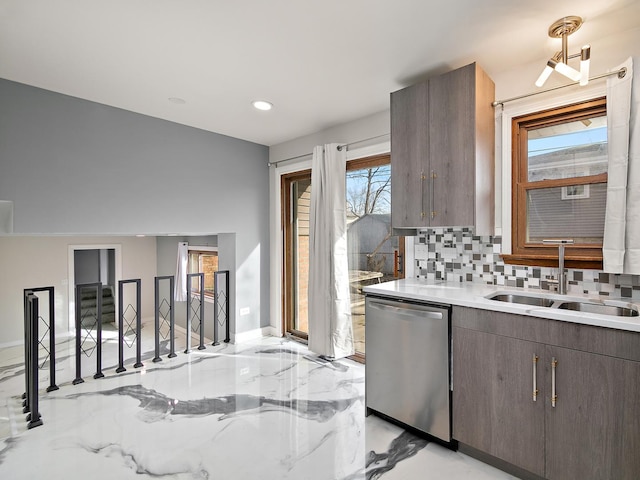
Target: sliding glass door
(296,189)
(375,255)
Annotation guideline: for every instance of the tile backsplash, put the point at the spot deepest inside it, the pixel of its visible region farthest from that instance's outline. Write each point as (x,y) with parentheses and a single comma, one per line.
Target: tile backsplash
(457,255)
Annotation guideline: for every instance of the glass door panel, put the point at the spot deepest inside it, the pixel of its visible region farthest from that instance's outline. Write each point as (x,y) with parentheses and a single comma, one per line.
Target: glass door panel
(297,197)
(375,254)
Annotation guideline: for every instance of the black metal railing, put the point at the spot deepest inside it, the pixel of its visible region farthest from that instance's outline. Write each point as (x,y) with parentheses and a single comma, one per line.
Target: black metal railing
(46,336)
(221,308)
(31,320)
(164,309)
(88,324)
(195,310)
(126,317)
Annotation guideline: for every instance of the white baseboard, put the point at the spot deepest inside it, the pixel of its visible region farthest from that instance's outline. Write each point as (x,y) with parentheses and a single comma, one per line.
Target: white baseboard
(255,334)
(270,331)
(183,331)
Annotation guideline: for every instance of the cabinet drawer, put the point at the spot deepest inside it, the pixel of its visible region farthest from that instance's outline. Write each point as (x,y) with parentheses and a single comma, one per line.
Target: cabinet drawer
(587,338)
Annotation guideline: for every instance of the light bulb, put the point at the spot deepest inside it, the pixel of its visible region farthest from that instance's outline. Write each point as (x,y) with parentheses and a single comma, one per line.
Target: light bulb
(262,105)
(544,75)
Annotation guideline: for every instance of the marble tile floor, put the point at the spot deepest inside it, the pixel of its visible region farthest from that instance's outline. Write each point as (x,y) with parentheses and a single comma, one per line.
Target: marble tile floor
(263,410)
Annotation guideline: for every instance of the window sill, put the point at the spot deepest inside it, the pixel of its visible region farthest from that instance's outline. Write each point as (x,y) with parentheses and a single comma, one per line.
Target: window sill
(590,263)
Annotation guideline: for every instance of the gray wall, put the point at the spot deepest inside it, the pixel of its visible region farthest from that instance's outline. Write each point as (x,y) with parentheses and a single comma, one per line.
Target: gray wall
(95,266)
(86,266)
(76,167)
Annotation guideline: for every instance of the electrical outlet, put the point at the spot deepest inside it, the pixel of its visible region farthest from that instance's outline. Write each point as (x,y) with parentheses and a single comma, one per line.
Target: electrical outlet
(245,311)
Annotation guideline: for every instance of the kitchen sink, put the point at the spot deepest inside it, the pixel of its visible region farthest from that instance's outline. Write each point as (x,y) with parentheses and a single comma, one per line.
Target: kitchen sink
(523,299)
(600,308)
(612,308)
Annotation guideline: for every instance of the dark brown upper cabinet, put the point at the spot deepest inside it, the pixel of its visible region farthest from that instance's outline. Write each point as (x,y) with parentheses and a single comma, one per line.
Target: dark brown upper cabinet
(442,152)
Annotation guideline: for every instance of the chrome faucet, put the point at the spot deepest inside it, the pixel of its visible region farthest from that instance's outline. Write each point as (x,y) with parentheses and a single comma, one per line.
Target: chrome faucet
(561,242)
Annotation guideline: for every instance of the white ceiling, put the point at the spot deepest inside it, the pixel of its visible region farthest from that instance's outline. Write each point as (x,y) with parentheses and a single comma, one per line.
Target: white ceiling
(321,63)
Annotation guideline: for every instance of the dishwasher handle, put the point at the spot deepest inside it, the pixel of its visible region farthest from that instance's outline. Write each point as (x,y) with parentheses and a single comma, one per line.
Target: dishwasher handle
(408,311)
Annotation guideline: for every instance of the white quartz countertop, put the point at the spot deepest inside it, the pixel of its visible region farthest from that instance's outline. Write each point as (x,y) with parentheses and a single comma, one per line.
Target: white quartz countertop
(475,295)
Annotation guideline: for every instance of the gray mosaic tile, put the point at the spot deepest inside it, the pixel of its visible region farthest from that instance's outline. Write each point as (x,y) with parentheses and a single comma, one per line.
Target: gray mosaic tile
(457,255)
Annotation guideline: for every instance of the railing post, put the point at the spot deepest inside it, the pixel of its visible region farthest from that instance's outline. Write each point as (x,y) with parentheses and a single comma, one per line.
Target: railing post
(120,368)
(227,338)
(34,415)
(122,320)
(156,322)
(138,363)
(158,306)
(172,321)
(78,301)
(201,312)
(98,325)
(221,303)
(190,277)
(27,346)
(99,373)
(188,319)
(215,310)
(51,325)
(52,340)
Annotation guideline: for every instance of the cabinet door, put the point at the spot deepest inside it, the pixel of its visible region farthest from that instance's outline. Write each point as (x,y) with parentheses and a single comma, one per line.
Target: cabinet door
(409,156)
(452,125)
(593,432)
(493,407)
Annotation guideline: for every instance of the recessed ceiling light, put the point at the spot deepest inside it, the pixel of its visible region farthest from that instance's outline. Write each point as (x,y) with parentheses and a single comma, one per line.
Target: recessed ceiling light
(177,100)
(140,235)
(262,105)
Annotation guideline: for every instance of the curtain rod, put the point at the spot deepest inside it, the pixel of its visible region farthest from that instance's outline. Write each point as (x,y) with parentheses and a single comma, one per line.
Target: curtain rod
(621,73)
(340,147)
(347,145)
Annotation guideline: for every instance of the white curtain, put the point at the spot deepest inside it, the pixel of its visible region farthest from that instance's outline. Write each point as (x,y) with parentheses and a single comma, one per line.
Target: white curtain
(621,243)
(180,286)
(632,255)
(330,328)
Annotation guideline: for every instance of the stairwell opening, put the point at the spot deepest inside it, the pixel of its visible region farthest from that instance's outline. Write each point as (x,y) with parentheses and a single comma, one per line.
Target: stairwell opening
(92,264)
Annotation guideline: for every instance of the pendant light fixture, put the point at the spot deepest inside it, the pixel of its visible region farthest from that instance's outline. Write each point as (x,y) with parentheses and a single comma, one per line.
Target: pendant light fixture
(559,62)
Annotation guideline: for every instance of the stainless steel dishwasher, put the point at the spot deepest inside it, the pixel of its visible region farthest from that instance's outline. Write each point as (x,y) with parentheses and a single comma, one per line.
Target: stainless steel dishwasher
(408,371)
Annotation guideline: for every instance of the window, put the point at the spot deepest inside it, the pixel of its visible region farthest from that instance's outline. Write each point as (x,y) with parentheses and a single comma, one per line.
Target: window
(203,260)
(559,184)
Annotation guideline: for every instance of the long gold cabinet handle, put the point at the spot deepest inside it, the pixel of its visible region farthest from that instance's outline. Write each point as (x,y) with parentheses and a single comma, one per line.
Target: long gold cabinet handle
(554,396)
(423,177)
(434,175)
(535,377)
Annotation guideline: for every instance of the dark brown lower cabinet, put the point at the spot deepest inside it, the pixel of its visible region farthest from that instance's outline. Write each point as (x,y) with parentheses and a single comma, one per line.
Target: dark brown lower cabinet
(590,431)
(493,407)
(593,432)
